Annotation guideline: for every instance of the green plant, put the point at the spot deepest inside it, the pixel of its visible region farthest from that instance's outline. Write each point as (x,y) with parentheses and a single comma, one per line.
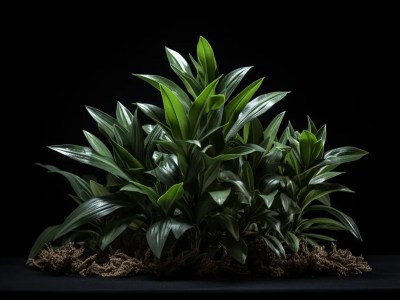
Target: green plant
(205,172)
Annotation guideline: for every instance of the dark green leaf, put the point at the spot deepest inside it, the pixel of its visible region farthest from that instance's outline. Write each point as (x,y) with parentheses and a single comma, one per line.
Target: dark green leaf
(292,241)
(269,199)
(220,196)
(237,249)
(124,116)
(230,224)
(157,235)
(320,178)
(105,121)
(323,189)
(80,186)
(87,156)
(167,200)
(153,112)
(97,145)
(271,131)
(45,237)
(275,245)
(343,218)
(253,109)
(113,230)
(98,189)
(179,228)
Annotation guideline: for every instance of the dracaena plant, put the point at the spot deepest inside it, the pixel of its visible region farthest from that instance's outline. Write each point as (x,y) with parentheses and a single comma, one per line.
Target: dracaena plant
(204,172)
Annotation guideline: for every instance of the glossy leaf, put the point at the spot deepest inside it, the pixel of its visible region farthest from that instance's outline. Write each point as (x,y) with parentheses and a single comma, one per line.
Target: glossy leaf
(175,114)
(114,230)
(269,199)
(206,57)
(80,186)
(157,235)
(87,156)
(272,129)
(105,121)
(322,190)
(177,60)
(167,200)
(231,80)
(156,81)
(292,241)
(154,112)
(320,178)
(237,249)
(237,104)
(179,228)
(253,109)
(92,209)
(124,116)
(220,196)
(97,145)
(44,238)
(343,218)
(344,155)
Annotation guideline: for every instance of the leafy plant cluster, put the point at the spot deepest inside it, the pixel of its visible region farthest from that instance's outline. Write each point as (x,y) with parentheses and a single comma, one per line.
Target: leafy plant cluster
(204,171)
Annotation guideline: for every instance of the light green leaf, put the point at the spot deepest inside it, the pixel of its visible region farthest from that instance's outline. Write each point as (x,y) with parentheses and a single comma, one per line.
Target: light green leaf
(175,114)
(306,142)
(200,105)
(236,105)
(206,57)
(220,196)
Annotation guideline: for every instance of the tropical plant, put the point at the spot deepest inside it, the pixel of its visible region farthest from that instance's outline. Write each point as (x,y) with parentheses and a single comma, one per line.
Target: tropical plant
(204,171)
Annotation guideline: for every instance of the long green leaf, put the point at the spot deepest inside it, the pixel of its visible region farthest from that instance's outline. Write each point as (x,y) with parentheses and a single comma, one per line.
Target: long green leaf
(154,112)
(90,210)
(344,155)
(105,121)
(157,235)
(199,106)
(237,104)
(167,200)
(87,156)
(206,57)
(114,230)
(272,129)
(124,116)
(80,186)
(45,237)
(97,144)
(231,80)
(177,60)
(175,114)
(253,109)
(323,189)
(343,218)
(156,81)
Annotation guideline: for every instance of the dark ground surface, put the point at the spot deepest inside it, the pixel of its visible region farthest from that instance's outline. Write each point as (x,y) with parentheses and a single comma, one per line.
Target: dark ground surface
(15,278)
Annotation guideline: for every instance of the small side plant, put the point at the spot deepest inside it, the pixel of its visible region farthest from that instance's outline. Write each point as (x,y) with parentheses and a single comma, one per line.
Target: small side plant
(201,174)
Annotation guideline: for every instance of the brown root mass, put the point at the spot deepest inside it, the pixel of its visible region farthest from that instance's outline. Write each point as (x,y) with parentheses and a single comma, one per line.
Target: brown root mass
(77,259)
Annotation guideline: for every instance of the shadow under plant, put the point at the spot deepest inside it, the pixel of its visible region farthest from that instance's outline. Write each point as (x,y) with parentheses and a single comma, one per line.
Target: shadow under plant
(202,188)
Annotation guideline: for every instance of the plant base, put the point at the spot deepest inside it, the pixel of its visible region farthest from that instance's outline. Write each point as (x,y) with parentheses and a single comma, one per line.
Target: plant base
(77,259)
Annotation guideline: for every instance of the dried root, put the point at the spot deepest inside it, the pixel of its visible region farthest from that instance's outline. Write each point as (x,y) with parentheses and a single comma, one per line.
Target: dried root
(76,259)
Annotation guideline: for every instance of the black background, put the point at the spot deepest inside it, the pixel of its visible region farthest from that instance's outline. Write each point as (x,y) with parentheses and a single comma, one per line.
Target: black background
(336,63)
